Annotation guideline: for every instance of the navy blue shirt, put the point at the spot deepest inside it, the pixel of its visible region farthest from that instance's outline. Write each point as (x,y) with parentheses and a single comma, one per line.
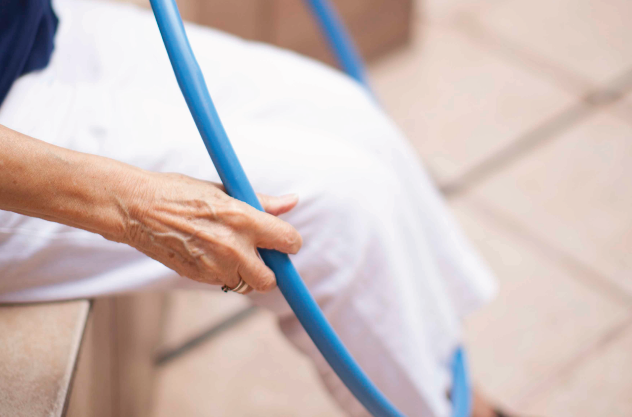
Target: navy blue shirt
(27,29)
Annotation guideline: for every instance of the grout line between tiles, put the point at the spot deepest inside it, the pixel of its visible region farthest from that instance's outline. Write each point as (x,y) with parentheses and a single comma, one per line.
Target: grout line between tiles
(571,82)
(585,275)
(566,369)
(202,337)
(522,145)
(612,92)
(621,86)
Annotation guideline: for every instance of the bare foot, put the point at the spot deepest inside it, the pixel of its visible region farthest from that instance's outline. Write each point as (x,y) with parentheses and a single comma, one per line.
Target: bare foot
(482,407)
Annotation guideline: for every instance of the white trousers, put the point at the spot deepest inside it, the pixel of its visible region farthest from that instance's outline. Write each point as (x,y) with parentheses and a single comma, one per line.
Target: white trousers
(381,254)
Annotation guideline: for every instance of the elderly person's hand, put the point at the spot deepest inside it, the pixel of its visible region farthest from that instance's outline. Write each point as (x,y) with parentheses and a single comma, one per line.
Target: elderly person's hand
(191,226)
(196,229)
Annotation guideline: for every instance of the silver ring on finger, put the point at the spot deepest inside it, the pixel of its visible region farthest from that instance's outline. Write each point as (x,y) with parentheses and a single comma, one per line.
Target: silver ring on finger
(240,288)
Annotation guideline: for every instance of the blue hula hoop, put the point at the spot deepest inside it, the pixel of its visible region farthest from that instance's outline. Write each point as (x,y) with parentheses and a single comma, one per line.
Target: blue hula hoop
(198,99)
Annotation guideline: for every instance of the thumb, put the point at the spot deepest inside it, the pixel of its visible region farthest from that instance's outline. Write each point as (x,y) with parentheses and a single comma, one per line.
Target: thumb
(278,205)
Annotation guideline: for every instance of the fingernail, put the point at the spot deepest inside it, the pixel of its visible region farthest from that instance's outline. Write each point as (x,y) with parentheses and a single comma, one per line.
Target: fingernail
(289,197)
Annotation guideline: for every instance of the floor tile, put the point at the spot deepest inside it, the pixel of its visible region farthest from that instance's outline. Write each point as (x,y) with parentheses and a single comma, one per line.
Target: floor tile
(442,10)
(591,38)
(250,371)
(600,386)
(623,109)
(459,103)
(39,345)
(189,313)
(575,193)
(541,319)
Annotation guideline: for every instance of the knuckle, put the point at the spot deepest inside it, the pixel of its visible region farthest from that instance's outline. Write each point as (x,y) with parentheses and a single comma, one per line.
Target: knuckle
(288,240)
(233,213)
(292,239)
(266,282)
(227,249)
(266,288)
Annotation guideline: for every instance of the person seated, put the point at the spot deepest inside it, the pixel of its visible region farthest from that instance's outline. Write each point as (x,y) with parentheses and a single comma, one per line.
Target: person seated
(106,188)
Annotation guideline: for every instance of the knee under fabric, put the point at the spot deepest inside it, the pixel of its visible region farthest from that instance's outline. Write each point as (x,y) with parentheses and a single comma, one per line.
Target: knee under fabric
(193,86)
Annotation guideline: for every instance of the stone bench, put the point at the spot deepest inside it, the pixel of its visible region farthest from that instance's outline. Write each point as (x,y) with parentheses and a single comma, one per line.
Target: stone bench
(39,346)
(79,358)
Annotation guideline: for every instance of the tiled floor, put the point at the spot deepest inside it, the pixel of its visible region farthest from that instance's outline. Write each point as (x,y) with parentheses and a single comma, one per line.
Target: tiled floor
(522,112)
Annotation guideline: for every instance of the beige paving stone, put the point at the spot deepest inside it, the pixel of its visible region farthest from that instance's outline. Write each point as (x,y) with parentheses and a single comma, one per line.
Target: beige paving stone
(575,192)
(38,350)
(459,103)
(542,318)
(623,108)
(189,313)
(443,10)
(600,386)
(591,38)
(250,371)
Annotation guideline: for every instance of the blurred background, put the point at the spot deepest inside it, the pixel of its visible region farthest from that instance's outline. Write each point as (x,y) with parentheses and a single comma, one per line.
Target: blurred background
(522,113)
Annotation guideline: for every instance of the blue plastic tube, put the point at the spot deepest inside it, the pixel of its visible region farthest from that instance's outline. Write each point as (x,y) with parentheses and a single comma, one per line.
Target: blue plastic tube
(340,43)
(196,94)
(461,392)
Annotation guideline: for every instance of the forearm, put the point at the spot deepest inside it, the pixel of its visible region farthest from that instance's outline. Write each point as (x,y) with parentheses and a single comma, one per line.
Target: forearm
(80,190)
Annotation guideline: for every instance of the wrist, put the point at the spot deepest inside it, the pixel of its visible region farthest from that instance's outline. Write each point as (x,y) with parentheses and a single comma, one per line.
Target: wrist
(102,195)
(130,191)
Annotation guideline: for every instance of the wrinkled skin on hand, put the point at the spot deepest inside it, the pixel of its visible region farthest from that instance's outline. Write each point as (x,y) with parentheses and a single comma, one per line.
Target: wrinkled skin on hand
(196,229)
